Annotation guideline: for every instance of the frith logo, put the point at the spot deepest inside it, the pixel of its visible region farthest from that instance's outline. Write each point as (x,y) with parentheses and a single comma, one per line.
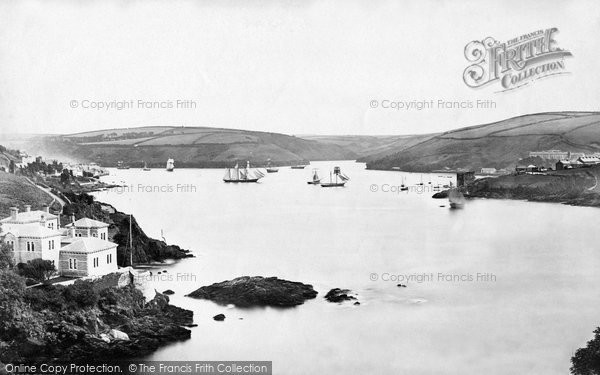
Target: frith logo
(514,63)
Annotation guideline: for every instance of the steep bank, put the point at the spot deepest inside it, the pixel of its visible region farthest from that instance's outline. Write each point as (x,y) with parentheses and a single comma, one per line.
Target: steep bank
(578,187)
(145,249)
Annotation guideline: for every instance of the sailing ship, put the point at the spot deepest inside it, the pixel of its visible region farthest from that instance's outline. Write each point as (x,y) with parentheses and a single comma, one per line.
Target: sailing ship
(338,181)
(270,168)
(146,167)
(456,198)
(237,174)
(170,165)
(315,178)
(121,165)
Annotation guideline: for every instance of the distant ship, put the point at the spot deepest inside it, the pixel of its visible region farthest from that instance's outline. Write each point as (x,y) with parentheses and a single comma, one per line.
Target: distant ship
(170,165)
(298,166)
(403,187)
(121,165)
(146,167)
(271,169)
(315,178)
(338,181)
(456,198)
(237,174)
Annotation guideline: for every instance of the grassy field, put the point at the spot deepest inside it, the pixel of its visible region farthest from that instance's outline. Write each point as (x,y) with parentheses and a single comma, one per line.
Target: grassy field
(17,191)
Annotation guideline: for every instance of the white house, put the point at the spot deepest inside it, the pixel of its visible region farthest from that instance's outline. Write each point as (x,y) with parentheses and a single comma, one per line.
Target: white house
(87,228)
(17,219)
(82,249)
(88,256)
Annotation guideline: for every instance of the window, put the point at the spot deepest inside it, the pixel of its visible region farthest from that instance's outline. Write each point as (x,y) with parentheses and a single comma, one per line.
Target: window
(72,264)
(28,246)
(95,235)
(49,245)
(32,246)
(103,236)
(108,258)
(96,262)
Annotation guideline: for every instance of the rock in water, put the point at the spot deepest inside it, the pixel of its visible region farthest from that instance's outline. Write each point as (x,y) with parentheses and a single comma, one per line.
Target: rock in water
(219,317)
(249,291)
(339,295)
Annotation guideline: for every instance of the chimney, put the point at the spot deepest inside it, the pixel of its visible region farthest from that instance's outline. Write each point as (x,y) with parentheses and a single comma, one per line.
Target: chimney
(43,220)
(27,207)
(46,209)
(73,218)
(14,212)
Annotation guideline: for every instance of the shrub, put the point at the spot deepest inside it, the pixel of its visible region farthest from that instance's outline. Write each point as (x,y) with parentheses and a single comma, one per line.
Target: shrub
(38,269)
(81,294)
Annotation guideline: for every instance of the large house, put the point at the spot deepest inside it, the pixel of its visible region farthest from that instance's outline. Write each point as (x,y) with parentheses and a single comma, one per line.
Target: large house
(81,249)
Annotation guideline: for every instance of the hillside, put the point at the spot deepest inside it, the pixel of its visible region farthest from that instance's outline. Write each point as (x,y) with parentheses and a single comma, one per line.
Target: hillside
(498,145)
(371,147)
(18,191)
(189,146)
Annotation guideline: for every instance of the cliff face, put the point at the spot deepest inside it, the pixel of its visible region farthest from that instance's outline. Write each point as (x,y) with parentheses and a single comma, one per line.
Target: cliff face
(145,249)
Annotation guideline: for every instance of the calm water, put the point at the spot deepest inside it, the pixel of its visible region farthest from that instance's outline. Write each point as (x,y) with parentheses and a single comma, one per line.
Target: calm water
(542,305)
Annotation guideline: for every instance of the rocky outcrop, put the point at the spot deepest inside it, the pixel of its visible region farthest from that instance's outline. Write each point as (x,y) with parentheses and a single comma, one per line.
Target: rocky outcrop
(97,324)
(249,291)
(219,317)
(578,187)
(440,194)
(339,295)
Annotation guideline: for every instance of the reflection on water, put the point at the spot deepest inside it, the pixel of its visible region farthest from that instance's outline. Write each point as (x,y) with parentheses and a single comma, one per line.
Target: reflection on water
(540,307)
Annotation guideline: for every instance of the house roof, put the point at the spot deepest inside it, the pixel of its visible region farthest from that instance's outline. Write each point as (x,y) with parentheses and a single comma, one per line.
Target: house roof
(88,245)
(29,217)
(36,231)
(589,159)
(88,223)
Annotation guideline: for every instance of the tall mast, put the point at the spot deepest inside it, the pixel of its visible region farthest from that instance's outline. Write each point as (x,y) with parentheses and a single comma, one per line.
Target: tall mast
(130,244)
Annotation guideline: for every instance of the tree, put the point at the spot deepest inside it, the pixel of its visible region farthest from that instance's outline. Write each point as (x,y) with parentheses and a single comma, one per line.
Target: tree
(586,361)
(6,256)
(38,269)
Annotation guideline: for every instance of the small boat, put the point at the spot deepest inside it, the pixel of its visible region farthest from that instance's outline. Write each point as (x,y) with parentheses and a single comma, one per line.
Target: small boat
(270,168)
(315,179)
(170,165)
(456,198)
(146,167)
(402,186)
(298,166)
(121,165)
(237,174)
(338,181)
(421,183)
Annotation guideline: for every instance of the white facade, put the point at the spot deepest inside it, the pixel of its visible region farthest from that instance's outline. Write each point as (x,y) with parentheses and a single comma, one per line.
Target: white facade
(82,250)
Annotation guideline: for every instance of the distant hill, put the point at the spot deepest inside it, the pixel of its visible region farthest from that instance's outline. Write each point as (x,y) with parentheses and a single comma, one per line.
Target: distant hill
(498,145)
(189,146)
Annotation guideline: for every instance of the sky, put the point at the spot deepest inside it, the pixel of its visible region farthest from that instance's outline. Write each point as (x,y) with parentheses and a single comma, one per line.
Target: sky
(294,67)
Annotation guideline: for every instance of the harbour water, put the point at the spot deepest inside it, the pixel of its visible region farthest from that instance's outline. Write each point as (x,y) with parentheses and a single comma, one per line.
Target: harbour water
(499,287)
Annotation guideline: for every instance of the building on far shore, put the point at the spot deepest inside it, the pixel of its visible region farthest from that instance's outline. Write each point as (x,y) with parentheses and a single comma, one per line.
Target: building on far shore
(81,249)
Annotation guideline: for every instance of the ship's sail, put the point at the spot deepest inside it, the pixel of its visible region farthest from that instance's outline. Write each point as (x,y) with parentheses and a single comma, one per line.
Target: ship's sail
(237,174)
